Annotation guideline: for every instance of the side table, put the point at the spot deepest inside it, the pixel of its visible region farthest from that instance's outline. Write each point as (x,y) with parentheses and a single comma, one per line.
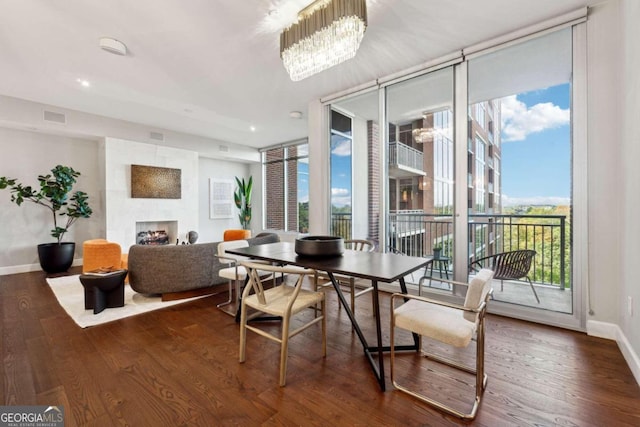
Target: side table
(103,291)
(441,264)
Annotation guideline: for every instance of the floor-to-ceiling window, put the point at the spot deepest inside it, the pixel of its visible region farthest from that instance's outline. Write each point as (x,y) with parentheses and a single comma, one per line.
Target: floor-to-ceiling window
(341,175)
(522,149)
(420,166)
(286,190)
(479,158)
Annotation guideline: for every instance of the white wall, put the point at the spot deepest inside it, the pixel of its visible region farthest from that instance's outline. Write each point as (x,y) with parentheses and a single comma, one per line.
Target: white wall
(630,193)
(25,155)
(211,230)
(123,211)
(604,155)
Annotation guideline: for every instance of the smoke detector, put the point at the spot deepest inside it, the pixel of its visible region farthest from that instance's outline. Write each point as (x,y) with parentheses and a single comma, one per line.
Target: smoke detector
(113,46)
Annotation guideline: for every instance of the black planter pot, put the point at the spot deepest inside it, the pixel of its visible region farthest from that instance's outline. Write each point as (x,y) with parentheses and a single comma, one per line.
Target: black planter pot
(56,258)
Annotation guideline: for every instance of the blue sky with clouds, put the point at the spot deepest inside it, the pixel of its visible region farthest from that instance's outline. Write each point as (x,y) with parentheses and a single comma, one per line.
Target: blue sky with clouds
(536,147)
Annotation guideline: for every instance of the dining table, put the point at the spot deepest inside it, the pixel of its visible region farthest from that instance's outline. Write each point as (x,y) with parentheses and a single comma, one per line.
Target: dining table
(374,266)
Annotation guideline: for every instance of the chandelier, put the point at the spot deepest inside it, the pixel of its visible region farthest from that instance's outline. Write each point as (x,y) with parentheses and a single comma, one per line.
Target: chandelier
(327,33)
(422,135)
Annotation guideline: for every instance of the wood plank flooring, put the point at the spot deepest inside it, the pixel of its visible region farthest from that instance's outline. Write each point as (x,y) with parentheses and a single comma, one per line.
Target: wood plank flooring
(179,367)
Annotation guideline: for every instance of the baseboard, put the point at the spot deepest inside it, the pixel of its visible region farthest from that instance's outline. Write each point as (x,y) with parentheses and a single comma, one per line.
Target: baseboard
(629,355)
(602,329)
(27,268)
(613,332)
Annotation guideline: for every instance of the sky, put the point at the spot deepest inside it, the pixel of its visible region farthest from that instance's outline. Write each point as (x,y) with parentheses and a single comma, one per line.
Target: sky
(536,147)
(535,155)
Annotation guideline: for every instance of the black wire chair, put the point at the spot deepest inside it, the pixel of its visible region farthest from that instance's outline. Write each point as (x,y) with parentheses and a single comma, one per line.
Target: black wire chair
(512,265)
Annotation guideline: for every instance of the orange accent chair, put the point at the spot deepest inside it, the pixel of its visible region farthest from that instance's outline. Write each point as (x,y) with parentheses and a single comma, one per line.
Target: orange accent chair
(236,234)
(98,253)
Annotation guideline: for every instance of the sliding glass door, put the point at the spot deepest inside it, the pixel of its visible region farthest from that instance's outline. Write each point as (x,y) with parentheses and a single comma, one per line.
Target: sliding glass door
(519,166)
(473,160)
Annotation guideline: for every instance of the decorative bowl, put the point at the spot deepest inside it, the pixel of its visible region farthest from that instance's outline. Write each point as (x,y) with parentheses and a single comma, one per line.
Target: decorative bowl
(319,246)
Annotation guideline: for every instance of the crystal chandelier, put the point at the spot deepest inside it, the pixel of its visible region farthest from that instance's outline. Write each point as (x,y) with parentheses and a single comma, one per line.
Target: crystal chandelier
(327,33)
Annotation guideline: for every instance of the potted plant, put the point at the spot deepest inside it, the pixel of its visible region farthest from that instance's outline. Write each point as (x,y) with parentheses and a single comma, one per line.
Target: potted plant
(66,207)
(242,198)
(437,250)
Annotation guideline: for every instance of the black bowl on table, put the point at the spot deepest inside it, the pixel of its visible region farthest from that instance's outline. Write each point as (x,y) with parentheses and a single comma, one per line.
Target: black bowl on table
(319,246)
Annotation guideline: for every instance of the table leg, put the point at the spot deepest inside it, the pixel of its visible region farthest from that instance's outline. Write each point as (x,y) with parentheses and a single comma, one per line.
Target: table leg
(378,369)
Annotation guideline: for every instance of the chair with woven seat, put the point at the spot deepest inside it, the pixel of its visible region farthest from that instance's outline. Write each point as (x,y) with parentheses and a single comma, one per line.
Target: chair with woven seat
(513,265)
(451,324)
(347,281)
(282,301)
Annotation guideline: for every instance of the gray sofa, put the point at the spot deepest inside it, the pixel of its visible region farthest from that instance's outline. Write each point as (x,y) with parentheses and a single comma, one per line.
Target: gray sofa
(179,270)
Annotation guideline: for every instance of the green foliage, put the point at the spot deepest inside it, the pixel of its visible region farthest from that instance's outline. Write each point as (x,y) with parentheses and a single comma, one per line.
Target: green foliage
(54,194)
(303,217)
(544,236)
(242,199)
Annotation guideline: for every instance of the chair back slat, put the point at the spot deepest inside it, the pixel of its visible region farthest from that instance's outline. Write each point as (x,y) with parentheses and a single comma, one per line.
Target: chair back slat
(255,270)
(512,265)
(360,245)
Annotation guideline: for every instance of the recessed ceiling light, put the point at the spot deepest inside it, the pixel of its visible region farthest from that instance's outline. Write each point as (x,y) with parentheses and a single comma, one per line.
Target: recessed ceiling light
(252,128)
(83,82)
(295,114)
(113,46)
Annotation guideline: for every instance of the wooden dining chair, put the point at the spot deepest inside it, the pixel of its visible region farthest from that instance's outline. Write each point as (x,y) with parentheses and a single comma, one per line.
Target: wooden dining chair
(348,282)
(451,324)
(282,301)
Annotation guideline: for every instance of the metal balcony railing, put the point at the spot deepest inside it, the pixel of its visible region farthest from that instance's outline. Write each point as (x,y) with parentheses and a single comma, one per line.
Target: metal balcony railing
(416,233)
(403,155)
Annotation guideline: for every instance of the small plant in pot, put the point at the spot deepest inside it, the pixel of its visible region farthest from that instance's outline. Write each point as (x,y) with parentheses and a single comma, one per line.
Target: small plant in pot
(437,250)
(55,194)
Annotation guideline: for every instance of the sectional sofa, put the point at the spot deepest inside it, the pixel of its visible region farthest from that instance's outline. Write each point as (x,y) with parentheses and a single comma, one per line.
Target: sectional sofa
(180,271)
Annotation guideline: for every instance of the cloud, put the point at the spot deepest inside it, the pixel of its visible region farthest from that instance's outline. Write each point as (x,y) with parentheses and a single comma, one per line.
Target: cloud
(535,201)
(342,148)
(340,197)
(518,121)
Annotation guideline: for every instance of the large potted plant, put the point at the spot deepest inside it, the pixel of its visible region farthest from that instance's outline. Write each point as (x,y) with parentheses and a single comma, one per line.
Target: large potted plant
(242,198)
(55,194)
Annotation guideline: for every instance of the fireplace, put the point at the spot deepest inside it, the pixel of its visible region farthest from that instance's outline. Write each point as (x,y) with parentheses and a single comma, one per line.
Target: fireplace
(156,232)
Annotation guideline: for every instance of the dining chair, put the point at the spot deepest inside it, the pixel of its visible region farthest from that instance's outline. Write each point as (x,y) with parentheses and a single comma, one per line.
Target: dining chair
(234,273)
(283,300)
(451,324)
(348,281)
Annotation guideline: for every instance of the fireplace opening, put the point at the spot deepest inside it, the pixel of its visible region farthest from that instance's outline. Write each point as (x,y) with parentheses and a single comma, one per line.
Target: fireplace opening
(156,232)
(153,237)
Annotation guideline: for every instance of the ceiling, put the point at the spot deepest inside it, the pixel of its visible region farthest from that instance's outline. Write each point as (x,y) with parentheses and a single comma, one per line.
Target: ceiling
(212,68)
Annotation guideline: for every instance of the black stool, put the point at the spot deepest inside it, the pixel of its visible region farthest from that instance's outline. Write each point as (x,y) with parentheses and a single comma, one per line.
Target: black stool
(102,292)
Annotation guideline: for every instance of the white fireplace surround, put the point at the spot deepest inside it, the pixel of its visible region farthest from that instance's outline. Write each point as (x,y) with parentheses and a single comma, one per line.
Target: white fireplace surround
(124,213)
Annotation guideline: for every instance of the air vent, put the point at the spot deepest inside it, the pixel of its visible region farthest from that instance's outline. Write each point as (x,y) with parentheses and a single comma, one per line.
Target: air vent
(157,136)
(223,148)
(51,116)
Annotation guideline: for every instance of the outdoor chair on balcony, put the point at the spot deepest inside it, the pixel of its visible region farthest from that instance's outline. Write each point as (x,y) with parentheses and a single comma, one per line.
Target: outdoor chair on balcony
(512,265)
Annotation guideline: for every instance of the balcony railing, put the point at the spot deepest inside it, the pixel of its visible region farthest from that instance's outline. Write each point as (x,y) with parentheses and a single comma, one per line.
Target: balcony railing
(415,233)
(403,155)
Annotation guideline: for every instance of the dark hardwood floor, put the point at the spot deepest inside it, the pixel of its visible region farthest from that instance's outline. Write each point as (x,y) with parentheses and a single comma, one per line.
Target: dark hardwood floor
(179,366)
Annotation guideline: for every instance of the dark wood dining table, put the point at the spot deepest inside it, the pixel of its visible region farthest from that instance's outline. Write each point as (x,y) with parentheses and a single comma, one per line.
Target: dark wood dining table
(373,266)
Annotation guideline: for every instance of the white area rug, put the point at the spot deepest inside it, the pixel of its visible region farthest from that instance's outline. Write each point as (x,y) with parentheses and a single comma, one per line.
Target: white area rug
(70,294)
